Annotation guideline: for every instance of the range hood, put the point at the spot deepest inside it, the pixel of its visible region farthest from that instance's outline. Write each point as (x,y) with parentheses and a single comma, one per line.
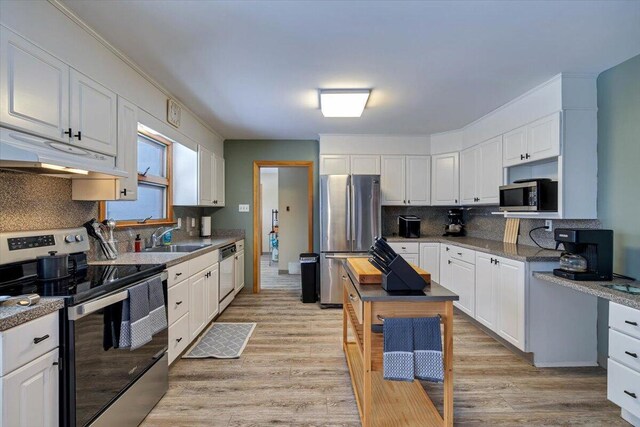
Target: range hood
(27,153)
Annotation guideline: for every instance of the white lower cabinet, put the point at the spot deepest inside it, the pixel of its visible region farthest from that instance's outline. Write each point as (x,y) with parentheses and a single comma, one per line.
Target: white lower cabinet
(623,370)
(430,259)
(410,251)
(30,393)
(462,275)
(239,283)
(192,302)
(486,290)
(510,301)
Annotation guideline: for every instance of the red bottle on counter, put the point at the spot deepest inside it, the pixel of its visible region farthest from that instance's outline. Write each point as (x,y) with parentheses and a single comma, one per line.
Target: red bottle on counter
(138,244)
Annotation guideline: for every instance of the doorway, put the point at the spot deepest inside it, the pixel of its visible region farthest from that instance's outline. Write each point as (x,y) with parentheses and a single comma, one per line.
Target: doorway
(282,220)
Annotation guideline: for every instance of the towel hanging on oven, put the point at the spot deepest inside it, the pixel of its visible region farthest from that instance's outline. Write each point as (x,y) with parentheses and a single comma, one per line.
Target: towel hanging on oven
(135,330)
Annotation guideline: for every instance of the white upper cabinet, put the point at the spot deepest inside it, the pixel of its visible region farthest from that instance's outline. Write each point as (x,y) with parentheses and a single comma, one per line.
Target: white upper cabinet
(218,185)
(93,113)
(392,180)
(128,148)
(331,164)
(445,179)
(481,173)
(206,164)
(535,141)
(365,164)
(418,177)
(34,88)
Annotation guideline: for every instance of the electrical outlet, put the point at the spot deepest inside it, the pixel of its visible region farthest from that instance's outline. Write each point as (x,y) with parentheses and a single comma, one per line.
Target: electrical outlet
(193,222)
(179,225)
(243,208)
(549,224)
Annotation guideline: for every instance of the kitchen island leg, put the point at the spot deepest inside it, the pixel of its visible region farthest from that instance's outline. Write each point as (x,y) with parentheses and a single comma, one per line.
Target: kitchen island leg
(367,398)
(448,365)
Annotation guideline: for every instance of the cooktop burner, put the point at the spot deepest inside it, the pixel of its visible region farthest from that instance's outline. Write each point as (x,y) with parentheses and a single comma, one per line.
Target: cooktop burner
(627,289)
(86,283)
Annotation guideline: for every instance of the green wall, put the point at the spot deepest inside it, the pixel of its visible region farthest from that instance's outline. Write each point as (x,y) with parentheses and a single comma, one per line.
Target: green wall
(619,161)
(239,156)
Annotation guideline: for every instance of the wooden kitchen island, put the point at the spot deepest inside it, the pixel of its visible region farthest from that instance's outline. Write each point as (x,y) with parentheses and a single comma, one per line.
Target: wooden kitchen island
(391,403)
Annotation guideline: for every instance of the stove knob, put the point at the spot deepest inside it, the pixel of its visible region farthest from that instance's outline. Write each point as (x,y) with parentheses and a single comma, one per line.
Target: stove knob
(70,238)
(79,238)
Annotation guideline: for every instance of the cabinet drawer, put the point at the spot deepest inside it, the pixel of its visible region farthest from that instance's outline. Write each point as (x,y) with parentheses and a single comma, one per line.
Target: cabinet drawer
(624,319)
(240,245)
(27,342)
(198,264)
(354,298)
(405,248)
(178,337)
(623,387)
(177,274)
(178,301)
(624,349)
(463,254)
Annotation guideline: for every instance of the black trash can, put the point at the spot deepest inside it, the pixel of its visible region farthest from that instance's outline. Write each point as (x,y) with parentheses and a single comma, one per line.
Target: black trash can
(310,272)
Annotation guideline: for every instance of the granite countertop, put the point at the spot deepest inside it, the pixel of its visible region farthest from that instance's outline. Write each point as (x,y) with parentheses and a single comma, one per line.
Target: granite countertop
(433,293)
(11,316)
(596,288)
(170,258)
(508,250)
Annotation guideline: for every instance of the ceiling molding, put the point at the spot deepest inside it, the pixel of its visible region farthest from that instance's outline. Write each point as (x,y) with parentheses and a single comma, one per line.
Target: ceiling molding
(78,21)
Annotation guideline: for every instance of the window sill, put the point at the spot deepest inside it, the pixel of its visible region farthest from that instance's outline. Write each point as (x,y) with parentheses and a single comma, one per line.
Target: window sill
(149,223)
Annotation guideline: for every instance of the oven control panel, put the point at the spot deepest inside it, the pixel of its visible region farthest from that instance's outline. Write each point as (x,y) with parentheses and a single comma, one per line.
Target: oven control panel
(27,245)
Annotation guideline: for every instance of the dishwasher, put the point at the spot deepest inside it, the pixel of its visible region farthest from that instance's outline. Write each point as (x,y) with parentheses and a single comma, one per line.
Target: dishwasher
(227,275)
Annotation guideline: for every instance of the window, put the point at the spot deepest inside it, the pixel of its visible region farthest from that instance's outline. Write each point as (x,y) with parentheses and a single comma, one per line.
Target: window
(153,205)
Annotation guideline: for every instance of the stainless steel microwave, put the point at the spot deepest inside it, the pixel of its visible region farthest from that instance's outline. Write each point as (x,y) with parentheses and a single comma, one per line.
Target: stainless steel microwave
(535,195)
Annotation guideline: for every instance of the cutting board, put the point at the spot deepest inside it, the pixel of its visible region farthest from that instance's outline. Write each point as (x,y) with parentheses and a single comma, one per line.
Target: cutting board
(366,274)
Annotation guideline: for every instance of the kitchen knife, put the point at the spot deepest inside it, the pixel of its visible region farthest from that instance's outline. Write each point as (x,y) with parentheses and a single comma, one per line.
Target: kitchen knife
(380,254)
(385,246)
(379,266)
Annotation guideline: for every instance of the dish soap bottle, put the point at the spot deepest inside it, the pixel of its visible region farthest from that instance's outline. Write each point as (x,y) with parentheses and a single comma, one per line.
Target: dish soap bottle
(166,239)
(138,244)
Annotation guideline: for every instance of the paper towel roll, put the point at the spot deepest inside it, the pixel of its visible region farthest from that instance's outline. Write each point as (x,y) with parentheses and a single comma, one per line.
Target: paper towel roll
(205,226)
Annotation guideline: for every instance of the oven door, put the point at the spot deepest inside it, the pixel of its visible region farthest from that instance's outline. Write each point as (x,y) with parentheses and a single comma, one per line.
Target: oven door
(518,197)
(97,371)
(227,277)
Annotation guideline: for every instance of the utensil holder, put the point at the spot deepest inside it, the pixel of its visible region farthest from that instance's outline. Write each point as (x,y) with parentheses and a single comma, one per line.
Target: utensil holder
(109,249)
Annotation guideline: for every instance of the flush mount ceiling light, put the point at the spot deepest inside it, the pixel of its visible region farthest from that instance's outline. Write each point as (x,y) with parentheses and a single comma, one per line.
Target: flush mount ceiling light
(343,102)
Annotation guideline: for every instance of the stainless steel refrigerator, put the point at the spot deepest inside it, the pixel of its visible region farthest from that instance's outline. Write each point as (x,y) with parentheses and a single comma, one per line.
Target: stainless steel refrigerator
(349,221)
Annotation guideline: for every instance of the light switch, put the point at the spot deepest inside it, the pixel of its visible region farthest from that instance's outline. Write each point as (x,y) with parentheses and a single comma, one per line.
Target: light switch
(243,208)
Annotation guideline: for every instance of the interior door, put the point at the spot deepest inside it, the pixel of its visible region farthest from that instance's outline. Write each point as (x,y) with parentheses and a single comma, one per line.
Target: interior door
(418,186)
(93,113)
(335,227)
(366,211)
(34,88)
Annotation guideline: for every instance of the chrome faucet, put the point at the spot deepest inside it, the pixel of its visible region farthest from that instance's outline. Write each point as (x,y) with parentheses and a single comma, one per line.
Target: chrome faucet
(156,238)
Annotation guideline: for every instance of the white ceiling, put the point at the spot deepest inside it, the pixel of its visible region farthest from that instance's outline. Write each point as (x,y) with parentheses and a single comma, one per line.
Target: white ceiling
(252,69)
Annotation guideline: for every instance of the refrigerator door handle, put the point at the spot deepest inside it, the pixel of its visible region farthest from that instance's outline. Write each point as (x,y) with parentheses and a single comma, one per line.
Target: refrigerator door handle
(345,256)
(349,212)
(352,203)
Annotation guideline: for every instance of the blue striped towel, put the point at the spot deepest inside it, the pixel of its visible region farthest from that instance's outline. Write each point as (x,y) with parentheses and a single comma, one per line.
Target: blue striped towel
(397,359)
(135,330)
(427,349)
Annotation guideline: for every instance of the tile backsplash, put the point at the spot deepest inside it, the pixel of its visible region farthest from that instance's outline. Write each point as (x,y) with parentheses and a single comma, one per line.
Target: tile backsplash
(479,222)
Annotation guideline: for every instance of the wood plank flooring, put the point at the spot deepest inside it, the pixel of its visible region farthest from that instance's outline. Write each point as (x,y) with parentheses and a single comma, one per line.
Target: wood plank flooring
(293,373)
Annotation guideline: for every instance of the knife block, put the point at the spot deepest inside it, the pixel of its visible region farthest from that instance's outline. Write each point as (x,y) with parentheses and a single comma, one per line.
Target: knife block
(402,278)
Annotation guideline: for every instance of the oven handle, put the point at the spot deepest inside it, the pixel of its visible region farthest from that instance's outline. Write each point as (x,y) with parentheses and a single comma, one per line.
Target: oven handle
(82,310)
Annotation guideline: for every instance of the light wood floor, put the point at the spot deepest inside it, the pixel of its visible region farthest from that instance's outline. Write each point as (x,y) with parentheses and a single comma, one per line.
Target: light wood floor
(293,373)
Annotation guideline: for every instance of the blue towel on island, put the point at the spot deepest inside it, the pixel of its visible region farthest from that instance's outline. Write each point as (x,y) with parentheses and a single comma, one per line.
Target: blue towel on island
(397,359)
(427,349)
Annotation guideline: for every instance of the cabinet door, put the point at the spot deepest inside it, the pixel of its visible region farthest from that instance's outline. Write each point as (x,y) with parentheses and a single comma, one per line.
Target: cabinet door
(239,271)
(392,180)
(93,113)
(205,176)
(486,290)
(515,146)
(418,180)
(430,259)
(543,138)
(34,88)
(212,292)
(30,393)
(469,176)
(218,197)
(197,303)
(463,280)
(445,179)
(511,301)
(331,164)
(365,165)
(489,173)
(445,267)
(411,258)
(127,156)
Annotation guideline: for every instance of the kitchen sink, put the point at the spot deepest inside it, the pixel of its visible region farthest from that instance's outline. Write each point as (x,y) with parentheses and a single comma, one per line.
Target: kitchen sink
(176,248)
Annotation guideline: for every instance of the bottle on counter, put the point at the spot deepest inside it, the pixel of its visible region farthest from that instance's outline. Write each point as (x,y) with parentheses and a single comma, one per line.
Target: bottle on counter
(166,239)
(138,244)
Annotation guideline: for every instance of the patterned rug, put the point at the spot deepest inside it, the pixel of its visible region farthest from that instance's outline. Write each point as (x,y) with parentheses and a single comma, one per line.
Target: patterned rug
(222,341)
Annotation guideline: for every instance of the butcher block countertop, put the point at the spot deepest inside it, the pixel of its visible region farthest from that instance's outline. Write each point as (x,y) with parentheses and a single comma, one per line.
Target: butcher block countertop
(367,274)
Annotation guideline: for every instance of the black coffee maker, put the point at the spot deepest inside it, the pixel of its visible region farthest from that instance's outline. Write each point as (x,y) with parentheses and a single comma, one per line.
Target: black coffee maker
(455,227)
(588,253)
